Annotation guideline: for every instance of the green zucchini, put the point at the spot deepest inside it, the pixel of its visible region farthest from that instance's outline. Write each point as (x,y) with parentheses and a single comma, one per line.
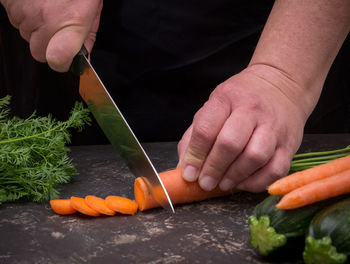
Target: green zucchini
(328,236)
(272,229)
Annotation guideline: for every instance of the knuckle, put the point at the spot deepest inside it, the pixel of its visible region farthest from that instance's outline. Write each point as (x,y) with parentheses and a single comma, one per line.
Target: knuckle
(194,157)
(202,132)
(228,145)
(258,157)
(74,15)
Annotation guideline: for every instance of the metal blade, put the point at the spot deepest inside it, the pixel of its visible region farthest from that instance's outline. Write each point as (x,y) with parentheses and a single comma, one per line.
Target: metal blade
(117,130)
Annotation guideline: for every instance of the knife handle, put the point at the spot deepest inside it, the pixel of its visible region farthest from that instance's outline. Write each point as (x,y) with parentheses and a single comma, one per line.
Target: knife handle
(76,66)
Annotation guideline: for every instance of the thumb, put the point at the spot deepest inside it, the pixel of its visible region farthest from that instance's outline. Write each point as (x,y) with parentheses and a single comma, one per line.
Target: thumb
(63,46)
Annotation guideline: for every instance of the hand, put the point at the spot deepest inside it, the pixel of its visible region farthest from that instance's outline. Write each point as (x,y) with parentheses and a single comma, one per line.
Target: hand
(55,30)
(246,134)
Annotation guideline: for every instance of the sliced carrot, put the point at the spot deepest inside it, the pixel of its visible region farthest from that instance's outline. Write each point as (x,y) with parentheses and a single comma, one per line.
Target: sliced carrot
(323,189)
(300,178)
(81,206)
(179,190)
(62,206)
(98,204)
(121,204)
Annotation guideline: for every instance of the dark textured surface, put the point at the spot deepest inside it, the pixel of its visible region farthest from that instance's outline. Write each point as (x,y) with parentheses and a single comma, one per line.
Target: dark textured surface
(213,231)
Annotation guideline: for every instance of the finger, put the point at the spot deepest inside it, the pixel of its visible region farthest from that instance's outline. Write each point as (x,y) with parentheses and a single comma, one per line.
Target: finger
(79,29)
(28,25)
(91,38)
(14,11)
(275,169)
(230,142)
(206,125)
(257,153)
(182,146)
(38,42)
(60,52)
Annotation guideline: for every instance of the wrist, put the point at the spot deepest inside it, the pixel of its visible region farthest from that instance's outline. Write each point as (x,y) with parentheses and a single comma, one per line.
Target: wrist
(298,93)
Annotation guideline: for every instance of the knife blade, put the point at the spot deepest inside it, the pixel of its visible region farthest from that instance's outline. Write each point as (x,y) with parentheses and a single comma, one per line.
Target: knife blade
(116,128)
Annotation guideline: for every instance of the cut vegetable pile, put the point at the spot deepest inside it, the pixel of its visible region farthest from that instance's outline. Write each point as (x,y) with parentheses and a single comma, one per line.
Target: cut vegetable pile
(94,206)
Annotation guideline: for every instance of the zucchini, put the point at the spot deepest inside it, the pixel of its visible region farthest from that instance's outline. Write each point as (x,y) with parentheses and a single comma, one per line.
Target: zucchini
(328,236)
(273,229)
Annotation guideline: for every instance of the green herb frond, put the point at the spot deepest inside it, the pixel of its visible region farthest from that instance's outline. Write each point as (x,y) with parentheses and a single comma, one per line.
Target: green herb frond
(33,153)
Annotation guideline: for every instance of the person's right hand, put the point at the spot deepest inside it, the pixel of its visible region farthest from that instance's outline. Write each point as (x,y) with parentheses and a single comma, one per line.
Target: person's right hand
(55,30)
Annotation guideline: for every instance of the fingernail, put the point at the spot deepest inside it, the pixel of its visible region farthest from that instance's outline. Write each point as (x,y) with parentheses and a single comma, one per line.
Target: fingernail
(226,184)
(190,173)
(207,183)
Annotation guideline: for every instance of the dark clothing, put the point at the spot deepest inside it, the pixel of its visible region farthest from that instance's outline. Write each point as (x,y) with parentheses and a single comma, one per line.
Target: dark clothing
(160,60)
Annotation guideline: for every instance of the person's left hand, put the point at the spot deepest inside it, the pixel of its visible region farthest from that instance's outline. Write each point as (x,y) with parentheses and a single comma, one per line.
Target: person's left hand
(246,134)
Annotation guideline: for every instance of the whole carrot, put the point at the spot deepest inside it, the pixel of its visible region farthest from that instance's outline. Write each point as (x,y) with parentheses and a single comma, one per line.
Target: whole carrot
(179,190)
(319,190)
(300,178)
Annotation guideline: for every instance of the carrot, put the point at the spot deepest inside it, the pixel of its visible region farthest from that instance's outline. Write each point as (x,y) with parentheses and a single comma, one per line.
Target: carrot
(300,178)
(323,189)
(121,204)
(179,190)
(62,206)
(98,204)
(80,205)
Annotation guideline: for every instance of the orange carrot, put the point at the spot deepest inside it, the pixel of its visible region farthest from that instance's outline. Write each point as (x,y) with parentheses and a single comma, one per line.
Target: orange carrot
(323,189)
(121,204)
(179,190)
(300,178)
(98,204)
(80,205)
(62,206)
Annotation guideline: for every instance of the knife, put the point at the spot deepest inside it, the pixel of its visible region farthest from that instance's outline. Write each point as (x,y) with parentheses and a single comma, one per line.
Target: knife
(116,129)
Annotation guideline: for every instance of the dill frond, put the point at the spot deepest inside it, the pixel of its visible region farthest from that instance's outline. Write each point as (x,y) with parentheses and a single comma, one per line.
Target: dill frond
(33,153)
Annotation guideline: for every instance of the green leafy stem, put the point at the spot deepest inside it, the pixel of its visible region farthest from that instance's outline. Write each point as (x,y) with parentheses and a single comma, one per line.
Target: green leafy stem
(308,160)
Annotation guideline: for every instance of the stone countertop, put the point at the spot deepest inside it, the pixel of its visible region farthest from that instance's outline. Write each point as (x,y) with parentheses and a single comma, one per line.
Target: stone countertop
(212,231)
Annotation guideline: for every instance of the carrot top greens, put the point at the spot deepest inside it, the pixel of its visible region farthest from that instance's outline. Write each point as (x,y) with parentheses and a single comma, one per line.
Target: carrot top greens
(33,153)
(308,160)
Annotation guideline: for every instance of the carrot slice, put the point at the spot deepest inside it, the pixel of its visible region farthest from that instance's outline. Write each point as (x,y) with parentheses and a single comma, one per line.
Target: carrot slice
(62,206)
(121,204)
(323,189)
(98,204)
(300,178)
(80,205)
(179,190)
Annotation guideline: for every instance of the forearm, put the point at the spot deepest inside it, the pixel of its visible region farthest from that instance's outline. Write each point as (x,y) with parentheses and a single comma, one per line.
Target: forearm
(301,40)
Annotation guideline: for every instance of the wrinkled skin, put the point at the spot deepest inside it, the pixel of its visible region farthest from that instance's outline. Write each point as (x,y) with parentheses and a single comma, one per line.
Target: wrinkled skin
(55,30)
(246,133)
